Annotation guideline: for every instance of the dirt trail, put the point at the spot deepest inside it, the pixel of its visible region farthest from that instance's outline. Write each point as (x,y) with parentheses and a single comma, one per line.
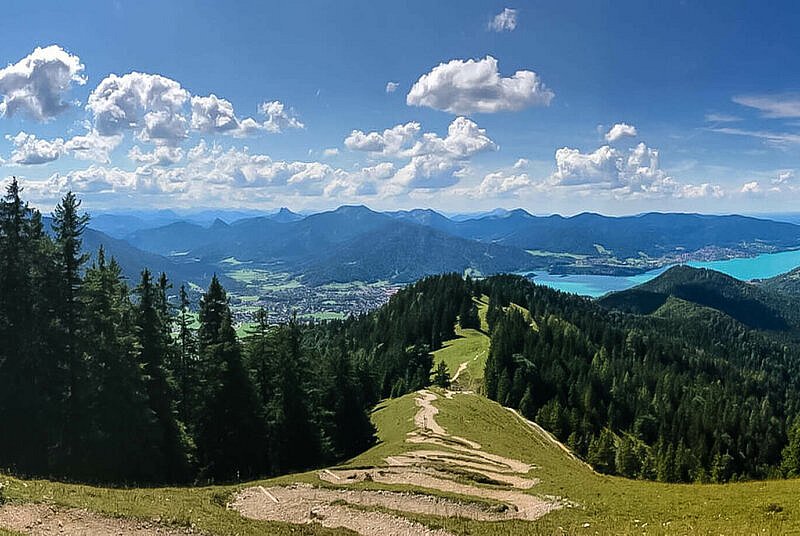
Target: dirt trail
(303,503)
(46,520)
(461,368)
(430,468)
(492,486)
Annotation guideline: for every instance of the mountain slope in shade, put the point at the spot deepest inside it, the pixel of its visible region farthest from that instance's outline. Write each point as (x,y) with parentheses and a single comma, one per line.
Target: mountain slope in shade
(133,260)
(356,234)
(654,234)
(745,302)
(788,283)
(405,253)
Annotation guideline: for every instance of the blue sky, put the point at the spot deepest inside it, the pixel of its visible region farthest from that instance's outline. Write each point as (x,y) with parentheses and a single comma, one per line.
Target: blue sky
(496,104)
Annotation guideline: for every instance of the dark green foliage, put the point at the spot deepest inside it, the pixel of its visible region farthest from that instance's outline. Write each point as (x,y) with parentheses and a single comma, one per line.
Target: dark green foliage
(104,384)
(441,378)
(290,412)
(231,438)
(153,322)
(123,439)
(68,226)
(28,366)
(349,428)
(468,314)
(602,452)
(791,452)
(688,393)
(395,342)
(749,304)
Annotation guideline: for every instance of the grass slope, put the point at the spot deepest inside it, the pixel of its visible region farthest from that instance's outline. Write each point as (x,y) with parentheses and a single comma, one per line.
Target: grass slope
(471,346)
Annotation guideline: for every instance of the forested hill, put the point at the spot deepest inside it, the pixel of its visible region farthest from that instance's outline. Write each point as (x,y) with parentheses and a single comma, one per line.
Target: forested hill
(689,393)
(788,283)
(757,306)
(685,393)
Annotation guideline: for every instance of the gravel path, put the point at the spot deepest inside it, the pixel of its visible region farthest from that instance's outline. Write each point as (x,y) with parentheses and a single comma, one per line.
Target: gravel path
(45,520)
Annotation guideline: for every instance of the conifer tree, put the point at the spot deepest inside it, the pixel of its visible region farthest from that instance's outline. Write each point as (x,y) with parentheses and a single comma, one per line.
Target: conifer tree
(231,441)
(790,463)
(68,227)
(441,377)
(123,439)
(295,436)
(153,323)
(185,370)
(26,368)
(349,428)
(261,356)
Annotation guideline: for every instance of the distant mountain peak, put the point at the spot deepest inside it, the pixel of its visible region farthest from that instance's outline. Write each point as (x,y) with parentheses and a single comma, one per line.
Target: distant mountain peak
(353,210)
(284,215)
(219,223)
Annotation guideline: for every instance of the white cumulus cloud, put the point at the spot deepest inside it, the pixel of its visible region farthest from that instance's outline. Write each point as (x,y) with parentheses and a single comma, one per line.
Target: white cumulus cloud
(161,156)
(619,131)
(212,114)
(36,85)
(635,173)
(149,104)
(389,142)
(432,161)
(391,87)
(505,21)
(476,86)
(502,183)
(30,150)
(279,118)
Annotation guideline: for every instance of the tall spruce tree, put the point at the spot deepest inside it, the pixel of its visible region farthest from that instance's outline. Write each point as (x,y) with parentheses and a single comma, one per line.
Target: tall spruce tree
(123,439)
(68,227)
(231,440)
(295,435)
(26,370)
(349,427)
(261,356)
(155,341)
(185,368)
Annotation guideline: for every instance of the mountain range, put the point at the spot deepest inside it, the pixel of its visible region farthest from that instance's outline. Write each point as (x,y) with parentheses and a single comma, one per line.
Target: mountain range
(356,243)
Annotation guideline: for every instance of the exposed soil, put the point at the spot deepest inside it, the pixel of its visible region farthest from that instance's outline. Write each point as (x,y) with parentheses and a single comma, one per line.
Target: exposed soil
(46,520)
(492,487)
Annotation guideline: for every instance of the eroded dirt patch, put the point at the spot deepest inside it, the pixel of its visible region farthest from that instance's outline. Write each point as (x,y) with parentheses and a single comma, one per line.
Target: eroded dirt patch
(303,503)
(492,486)
(46,520)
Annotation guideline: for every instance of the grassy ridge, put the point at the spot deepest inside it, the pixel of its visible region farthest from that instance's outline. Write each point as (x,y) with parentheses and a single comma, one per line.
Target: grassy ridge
(470,346)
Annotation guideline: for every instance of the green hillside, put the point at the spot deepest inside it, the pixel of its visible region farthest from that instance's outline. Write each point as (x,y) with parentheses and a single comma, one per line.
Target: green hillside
(465,356)
(755,306)
(584,501)
(788,283)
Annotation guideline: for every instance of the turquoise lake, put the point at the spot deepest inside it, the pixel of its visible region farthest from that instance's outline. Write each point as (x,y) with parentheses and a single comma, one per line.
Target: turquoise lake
(759,267)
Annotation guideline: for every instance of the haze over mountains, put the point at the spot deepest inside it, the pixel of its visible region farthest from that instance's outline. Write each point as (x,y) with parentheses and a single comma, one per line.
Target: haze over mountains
(354,243)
